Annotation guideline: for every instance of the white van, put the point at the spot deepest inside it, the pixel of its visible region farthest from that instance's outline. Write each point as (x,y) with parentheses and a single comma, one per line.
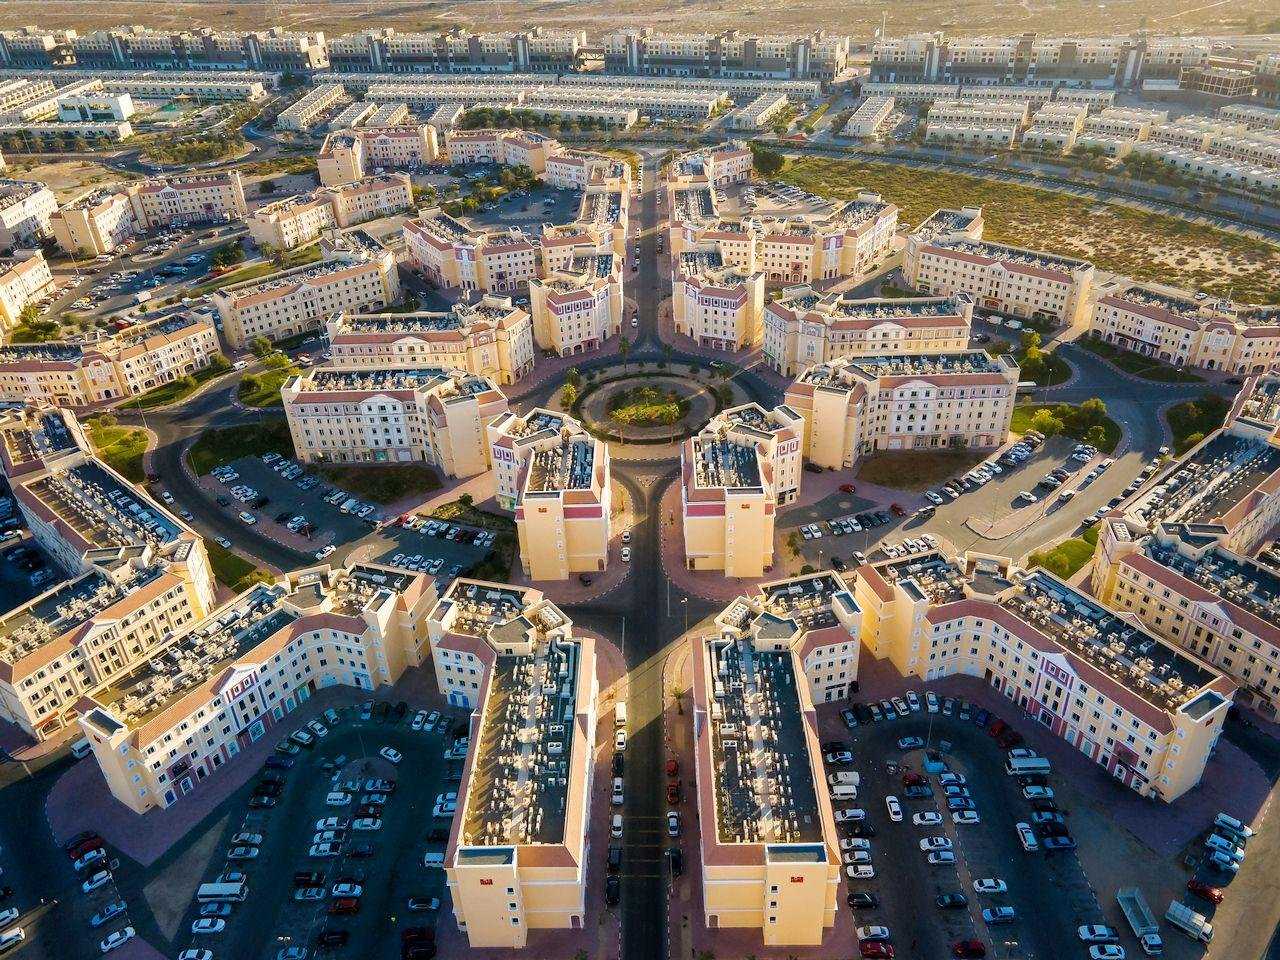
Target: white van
(844,791)
(11,938)
(1021,766)
(1228,822)
(81,748)
(620,714)
(222,892)
(433,859)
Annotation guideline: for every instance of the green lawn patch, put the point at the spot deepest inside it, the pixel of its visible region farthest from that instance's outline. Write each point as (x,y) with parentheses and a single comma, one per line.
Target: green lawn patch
(381,482)
(1148,368)
(178,390)
(294,258)
(1085,422)
(916,469)
(216,447)
(1067,558)
(121,448)
(233,570)
(1192,420)
(263,389)
(647,406)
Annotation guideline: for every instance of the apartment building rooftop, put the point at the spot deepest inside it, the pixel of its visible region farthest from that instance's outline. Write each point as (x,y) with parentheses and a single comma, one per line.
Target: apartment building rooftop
(1156,671)
(944,221)
(764,788)
(1262,402)
(40,352)
(709,265)
(92,199)
(1188,306)
(805,602)
(329,379)
(960,363)
(518,789)
(597,265)
(66,608)
(567,466)
(846,307)
(692,203)
(288,278)
(36,434)
(1034,259)
(12,190)
(1249,585)
(536,422)
(724,463)
(102,509)
(601,207)
(201,654)
(1203,487)
(481,607)
(931,577)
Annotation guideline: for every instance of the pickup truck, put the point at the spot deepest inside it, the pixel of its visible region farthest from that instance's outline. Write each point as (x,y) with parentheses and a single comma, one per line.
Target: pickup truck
(1141,919)
(1193,924)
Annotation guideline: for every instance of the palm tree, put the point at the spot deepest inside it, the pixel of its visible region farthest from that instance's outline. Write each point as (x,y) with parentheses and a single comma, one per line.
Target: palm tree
(624,347)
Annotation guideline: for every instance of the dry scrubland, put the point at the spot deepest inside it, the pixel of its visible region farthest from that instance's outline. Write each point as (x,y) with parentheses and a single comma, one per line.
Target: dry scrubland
(859,19)
(1120,239)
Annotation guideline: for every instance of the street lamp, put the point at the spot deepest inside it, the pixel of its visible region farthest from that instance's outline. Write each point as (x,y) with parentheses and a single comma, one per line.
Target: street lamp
(684,603)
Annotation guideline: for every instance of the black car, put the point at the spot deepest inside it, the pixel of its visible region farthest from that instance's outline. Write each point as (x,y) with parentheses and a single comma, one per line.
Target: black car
(861,829)
(619,762)
(278,761)
(1059,842)
(1043,805)
(918,791)
(850,718)
(863,713)
(1033,780)
(423,904)
(401,709)
(261,802)
(438,835)
(362,850)
(839,564)
(952,901)
(834,746)
(677,861)
(1052,829)
(330,939)
(863,901)
(613,890)
(308,878)
(614,862)
(981,717)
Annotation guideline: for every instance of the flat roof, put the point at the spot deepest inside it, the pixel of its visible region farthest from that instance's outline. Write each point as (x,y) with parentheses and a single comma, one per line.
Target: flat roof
(1210,482)
(722,462)
(569,465)
(103,510)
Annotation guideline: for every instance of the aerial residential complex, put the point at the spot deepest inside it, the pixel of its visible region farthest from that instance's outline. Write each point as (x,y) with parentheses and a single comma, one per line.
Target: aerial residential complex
(1179,556)
(295,221)
(517,854)
(224,681)
(1138,706)
(392,415)
(24,278)
(115,367)
(488,336)
(856,405)
(803,327)
(301,299)
(735,473)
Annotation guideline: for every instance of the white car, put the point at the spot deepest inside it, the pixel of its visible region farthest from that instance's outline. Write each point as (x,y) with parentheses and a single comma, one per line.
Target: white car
(366,824)
(1106,951)
(855,843)
(419,720)
(626,554)
(673,823)
(873,933)
(390,755)
(929,818)
(856,856)
(990,885)
(248,839)
(337,798)
(615,827)
(617,798)
(965,818)
(1026,837)
(935,843)
(894,807)
(937,857)
(331,823)
(850,815)
(209,925)
(346,890)
(949,779)
(931,702)
(913,701)
(116,938)
(318,728)
(194,953)
(8,916)
(860,871)
(620,740)
(99,879)
(324,850)
(325,551)
(1097,933)
(93,856)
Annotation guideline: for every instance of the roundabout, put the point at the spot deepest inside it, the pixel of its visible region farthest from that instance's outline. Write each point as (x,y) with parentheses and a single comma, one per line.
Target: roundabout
(650,407)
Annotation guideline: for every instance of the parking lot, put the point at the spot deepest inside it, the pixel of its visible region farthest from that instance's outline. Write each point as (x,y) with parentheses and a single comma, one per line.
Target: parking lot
(1047,891)
(338,810)
(438,548)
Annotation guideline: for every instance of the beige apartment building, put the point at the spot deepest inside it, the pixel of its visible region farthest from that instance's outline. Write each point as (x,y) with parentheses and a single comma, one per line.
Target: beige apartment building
(847,241)
(869,118)
(767,842)
(351,155)
(578,307)
(95,224)
(735,473)
(299,220)
(803,327)
(1010,280)
(24,277)
(716,166)
(306,112)
(1139,707)
(392,415)
(302,298)
(816,617)
(513,438)
(517,854)
(25,209)
(1186,329)
(489,337)
(453,256)
(716,303)
(225,681)
(123,365)
(987,124)
(511,148)
(182,201)
(855,406)
(563,509)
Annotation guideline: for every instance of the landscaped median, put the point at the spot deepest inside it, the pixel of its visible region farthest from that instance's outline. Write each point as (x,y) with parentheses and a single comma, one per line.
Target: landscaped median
(215,447)
(380,483)
(178,390)
(1136,365)
(1067,558)
(263,389)
(1193,420)
(232,570)
(1087,422)
(121,448)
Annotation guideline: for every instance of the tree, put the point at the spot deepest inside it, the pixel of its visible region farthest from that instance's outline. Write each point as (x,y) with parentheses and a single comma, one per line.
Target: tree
(219,363)
(466,500)
(793,543)
(624,347)
(767,162)
(260,346)
(268,186)
(1047,423)
(573,376)
(568,396)
(1096,435)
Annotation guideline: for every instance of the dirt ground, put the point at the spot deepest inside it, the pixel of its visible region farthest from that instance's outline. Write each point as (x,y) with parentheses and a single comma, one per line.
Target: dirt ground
(859,19)
(66,178)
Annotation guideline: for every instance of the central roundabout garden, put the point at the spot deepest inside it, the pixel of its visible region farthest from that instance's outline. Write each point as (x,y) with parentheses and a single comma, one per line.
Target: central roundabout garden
(651,407)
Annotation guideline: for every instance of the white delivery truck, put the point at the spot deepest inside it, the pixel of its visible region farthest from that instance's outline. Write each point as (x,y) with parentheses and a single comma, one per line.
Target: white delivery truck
(1141,919)
(619,715)
(1194,925)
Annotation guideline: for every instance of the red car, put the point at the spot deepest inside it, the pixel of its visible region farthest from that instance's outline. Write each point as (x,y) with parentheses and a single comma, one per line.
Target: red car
(673,792)
(877,949)
(846,488)
(673,767)
(997,727)
(1202,889)
(969,949)
(1010,739)
(910,779)
(344,905)
(896,509)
